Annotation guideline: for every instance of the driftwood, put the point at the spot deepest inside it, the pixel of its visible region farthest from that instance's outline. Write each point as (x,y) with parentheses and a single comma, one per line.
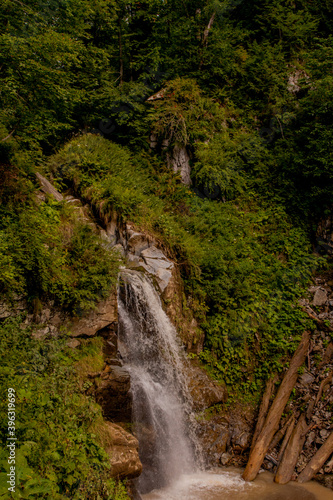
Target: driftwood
(263,409)
(274,415)
(286,438)
(292,451)
(324,382)
(317,461)
(280,433)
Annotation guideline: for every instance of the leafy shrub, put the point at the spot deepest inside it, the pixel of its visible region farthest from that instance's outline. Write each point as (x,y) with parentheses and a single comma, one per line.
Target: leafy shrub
(243,262)
(46,252)
(58,456)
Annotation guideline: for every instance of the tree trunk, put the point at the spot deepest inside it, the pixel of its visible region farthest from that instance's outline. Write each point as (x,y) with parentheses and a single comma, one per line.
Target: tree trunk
(121,61)
(263,410)
(286,438)
(292,451)
(324,382)
(280,433)
(274,415)
(317,461)
(205,36)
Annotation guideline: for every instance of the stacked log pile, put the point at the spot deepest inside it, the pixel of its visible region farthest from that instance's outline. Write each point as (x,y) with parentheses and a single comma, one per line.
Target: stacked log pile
(294,432)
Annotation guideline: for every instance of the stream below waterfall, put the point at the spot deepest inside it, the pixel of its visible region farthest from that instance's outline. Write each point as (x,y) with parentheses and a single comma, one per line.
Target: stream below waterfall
(227,484)
(162,411)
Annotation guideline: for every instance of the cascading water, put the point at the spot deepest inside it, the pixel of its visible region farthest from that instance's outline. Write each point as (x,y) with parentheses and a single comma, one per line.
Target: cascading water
(162,411)
(161,402)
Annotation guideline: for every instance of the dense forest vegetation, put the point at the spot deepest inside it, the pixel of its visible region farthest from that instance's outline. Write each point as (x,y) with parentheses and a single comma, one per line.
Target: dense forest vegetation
(248,90)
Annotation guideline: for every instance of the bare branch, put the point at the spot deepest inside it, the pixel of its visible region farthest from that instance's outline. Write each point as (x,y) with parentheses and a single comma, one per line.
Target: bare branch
(8,136)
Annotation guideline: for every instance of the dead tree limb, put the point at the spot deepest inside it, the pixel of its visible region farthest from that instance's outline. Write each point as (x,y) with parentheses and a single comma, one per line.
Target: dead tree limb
(205,36)
(292,451)
(207,30)
(274,415)
(320,322)
(286,438)
(263,409)
(317,461)
(280,433)
(324,382)
(8,136)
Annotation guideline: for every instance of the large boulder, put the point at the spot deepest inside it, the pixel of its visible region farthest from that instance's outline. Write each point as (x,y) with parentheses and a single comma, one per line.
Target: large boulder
(204,391)
(157,264)
(214,438)
(112,392)
(122,448)
(104,315)
(179,160)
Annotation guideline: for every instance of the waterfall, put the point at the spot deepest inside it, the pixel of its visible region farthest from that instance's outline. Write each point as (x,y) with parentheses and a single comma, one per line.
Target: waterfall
(161,402)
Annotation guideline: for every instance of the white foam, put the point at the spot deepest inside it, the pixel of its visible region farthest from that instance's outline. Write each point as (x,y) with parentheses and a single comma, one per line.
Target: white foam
(202,485)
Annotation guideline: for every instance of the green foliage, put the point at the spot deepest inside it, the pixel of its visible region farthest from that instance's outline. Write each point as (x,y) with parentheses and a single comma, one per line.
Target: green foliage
(183,116)
(246,88)
(243,262)
(57,455)
(46,252)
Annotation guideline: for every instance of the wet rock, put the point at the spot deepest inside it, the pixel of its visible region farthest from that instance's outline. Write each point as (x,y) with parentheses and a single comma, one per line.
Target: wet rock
(153,253)
(225,458)
(112,392)
(320,297)
(243,440)
(137,242)
(111,230)
(324,433)
(122,449)
(104,315)
(240,437)
(158,265)
(214,438)
(120,249)
(204,391)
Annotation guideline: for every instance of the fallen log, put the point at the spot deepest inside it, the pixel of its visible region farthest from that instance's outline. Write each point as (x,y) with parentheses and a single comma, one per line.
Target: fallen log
(324,382)
(292,452)
(263,409)
(280,433)
(275,412)
(317,461)
(286,438)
